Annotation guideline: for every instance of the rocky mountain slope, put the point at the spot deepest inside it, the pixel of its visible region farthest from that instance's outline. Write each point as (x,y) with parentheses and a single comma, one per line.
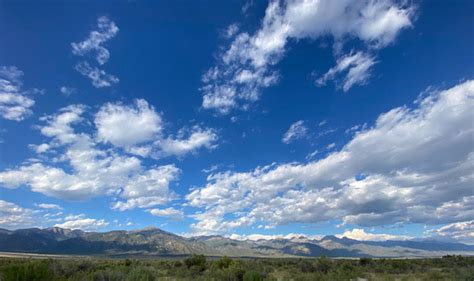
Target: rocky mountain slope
(156,242)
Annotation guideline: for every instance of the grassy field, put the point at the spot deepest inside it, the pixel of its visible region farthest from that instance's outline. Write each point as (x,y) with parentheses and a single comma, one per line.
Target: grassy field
(200,268)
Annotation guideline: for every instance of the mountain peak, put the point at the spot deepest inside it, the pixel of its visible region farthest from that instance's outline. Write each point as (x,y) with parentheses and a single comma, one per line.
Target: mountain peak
(330,237)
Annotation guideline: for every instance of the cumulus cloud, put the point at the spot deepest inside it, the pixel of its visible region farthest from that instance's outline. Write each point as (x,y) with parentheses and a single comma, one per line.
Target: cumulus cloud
(356,66)
(94,43)
(13,216)
(168,212)
(291,236)
(14,102)
(99,77)
(361,235)
(86,224)
(148,188)
(91,171)
(460,231)
(138,129)
(247,64)
(296,131)
(40,148)
(196,138)
(414,165)
(127,126)
(81,165)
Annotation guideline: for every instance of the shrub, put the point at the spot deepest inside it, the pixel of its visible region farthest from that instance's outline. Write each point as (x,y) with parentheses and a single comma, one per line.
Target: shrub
(365,261)
(323,264)
(140,274)
(223,262)
(252,276)
(197,262)
(306,266)
(30,270)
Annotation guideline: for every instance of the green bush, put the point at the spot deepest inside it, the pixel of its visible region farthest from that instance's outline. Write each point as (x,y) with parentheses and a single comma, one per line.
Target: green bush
(198,268)
(140,274)
(323,264)
(365,261)
(197,262)
(223,262)
(30,271)
(252,276)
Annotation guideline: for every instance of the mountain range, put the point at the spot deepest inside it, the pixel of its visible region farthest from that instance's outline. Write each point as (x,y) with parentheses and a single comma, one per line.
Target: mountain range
(154,242)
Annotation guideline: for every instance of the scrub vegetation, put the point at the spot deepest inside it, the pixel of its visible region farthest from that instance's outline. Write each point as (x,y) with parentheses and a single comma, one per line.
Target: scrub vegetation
(198,267)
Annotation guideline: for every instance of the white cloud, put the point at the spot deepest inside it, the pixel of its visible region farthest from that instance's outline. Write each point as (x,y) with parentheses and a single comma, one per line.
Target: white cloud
(126,126)
(416,164)
(460,231)
(78,166)
(211,169)
(13,216)
(74,217)
(49,206)
(312,155)
(246,66)
(330,146)
(83,224)
(99,77)
(291,236)
(14,102)
(138,130)
(91,171)
(67,91)
(94,43)
(296,131)
(361,235)
(168,212)
(41,148)
(148,189)
(231,30)
(357,67)
(197,138)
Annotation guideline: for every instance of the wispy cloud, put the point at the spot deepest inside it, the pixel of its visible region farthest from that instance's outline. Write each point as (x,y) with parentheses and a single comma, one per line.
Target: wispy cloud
(15,103)
(99,77)
(107,29)
(67,91)
(247,65)
(94,43)
(357,67)
(49,206)
(297,130)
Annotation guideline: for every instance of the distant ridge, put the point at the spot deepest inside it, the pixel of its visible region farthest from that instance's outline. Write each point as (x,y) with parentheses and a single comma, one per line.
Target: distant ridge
(151,241)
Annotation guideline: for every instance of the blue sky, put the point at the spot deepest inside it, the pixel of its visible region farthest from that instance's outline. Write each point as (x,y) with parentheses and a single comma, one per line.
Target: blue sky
(239,117)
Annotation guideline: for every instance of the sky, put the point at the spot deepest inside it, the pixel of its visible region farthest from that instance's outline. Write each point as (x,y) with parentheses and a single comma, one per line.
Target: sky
(242,118)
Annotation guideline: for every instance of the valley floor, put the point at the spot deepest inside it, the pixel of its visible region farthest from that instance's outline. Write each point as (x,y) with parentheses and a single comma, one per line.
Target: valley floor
(199,268)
